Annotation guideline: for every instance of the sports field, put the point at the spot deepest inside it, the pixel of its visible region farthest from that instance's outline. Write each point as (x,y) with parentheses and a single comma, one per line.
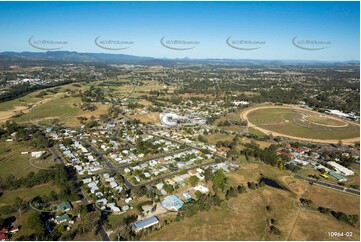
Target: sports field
(297,123)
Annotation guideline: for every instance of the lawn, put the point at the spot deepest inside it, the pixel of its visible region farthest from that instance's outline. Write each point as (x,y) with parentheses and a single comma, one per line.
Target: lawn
(235,116)
(215,137)
(13,163)
(8,197)
(335,200)
(56,108)
(90,236)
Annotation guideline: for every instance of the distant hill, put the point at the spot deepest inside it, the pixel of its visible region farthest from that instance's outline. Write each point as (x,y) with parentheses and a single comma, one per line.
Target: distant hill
(73,56)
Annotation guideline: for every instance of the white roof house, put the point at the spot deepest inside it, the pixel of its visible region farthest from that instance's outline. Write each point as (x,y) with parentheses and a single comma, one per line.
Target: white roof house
(37,154)
(87,180)
(113,184)
(201,188)
(103,201)
(119,189)
(301,162)
(341,169)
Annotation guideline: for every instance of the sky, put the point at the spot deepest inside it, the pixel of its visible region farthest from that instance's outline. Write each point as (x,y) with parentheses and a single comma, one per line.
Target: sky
(255,30)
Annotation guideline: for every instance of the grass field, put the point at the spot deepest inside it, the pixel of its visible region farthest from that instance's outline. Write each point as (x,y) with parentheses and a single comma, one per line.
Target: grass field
(215,137)
(220,223)
(335,200)
(8,197)
(152,117)
(56,108)
(235,116)
(302,123)
(13,163)
(245,217)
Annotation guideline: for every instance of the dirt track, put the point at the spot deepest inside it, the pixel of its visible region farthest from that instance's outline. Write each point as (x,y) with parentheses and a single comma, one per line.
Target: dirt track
(245,113)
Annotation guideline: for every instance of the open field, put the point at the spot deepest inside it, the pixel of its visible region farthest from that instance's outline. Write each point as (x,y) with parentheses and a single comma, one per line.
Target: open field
(57,108)
(235,116)
(215,137)
(335,200)
(249,222)
(219,223)
(301,124)
(13,163)
(245,217)
(151,117)
(8,197)
(315,226)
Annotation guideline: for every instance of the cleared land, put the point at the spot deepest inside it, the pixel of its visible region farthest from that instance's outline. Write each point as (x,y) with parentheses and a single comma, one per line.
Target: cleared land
(8,197)
(12,162)
(301,124)
(245,217)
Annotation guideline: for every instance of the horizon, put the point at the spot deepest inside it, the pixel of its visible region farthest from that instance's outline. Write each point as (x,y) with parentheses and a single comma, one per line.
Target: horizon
(303,31)
(184,58)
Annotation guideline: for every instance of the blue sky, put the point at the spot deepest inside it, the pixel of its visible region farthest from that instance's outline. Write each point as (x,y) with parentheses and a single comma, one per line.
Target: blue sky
(209,23)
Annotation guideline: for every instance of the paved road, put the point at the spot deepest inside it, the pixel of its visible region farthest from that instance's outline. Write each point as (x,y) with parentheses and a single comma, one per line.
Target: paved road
(83,199)
(174,173)
(153,158)
(190,146)
(329,185)
(109,164)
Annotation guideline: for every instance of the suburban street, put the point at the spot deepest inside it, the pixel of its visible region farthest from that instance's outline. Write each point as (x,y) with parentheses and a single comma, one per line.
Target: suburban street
(83,199)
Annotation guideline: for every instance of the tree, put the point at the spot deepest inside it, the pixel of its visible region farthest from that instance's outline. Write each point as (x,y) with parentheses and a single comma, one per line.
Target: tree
(251,185)
(275,230)
(2,222)
(193,180)
(306,202)
(241,189)
(208,174)
(37,225)
(219,179)
(88,220)
(324,210)
(20,205)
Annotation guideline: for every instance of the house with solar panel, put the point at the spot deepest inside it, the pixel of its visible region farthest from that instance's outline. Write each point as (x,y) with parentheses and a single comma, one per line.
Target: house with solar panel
(146,223)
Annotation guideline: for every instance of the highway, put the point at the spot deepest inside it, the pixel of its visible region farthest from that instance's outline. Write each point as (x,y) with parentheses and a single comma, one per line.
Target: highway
(347,190)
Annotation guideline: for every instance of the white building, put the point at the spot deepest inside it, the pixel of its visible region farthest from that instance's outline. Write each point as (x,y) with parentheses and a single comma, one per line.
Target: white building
(341,169)
(37,154)
(201,188)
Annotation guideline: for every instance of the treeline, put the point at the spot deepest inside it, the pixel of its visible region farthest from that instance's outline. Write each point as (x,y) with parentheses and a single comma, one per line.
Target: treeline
(267,155)
(23,89)
(31,135)
(93,94)
(204,203)
(59,175)
(233,192)
(341,216)
(228,123)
